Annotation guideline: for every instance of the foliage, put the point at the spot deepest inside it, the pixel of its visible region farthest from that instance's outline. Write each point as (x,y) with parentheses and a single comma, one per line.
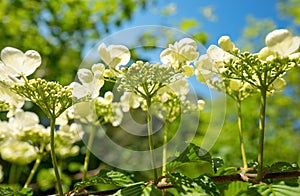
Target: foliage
(60,29)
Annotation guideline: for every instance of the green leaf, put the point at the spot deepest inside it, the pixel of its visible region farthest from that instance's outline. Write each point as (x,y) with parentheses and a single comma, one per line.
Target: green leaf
(193,162)
(151,190)
(106,177)
(273,189)
(134,190)
(217,163)
(6,191)
(235,188)
(201,185)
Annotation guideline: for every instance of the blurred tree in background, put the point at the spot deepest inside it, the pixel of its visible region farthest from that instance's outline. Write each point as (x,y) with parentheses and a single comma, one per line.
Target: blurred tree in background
(61,29)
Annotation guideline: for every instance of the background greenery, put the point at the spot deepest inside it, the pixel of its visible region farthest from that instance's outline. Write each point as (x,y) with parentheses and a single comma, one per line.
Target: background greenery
(61,29)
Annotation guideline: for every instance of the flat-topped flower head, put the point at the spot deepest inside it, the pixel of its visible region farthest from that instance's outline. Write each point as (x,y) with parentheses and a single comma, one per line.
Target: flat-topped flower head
(51,97)
(282,42)
(180,53)
(114,55)
(20,63)
(145,79)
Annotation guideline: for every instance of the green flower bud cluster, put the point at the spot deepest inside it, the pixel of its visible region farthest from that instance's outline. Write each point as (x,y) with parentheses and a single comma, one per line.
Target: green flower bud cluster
(249,68)
(146,79)
(108,112)
(51,97)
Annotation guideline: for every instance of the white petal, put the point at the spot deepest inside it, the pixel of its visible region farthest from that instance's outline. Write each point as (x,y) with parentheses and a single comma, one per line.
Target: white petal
(217,54)
(85,75)
(166,56)
(78,91)
(98,67)
(121,52)
(13,58)
(108,96)
(226,44)
(277,36)
(104,54)
(31,62)
(187,41)
(282,42)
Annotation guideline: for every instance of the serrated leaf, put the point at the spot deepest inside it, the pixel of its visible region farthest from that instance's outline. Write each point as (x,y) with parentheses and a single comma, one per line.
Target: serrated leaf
(134,190)
(106,177)
(201,185)
(235,188)
(273,189)
(151,190)
(193,162)
(6,191)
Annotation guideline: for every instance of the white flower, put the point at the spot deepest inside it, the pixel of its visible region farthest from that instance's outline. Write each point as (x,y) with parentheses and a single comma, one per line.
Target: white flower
(205,68)
(23,121)
(278,85)
(117,117)
(130,100)
(282,42)
(114,55)
(266,54)
(91,82)
(218,56)
(70,133)
(179,87)
(85,111)
(226,44)
(15,101)
(107,99)
(18,152)
(180,53)
(20,63)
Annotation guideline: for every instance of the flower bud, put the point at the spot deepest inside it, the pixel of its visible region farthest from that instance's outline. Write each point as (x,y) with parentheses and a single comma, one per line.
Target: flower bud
(226,44)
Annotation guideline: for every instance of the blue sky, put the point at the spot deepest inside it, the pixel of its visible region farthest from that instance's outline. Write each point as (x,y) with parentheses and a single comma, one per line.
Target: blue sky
(222,16)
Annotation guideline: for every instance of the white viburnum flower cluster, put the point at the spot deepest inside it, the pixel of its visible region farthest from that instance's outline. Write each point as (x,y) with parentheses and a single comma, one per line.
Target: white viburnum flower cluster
(139,82)
(22,138)
(180,55)
(239,74)
(14,65)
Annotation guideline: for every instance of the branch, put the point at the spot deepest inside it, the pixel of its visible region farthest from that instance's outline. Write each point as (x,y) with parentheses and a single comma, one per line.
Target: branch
(223,178)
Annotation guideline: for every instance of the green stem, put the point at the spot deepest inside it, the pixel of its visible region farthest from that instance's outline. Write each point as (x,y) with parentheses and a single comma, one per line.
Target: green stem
(240,127)
(33,170)
(165,140)
(150,141)
(263,97)
(53,156)
(12,174)
(88,153)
